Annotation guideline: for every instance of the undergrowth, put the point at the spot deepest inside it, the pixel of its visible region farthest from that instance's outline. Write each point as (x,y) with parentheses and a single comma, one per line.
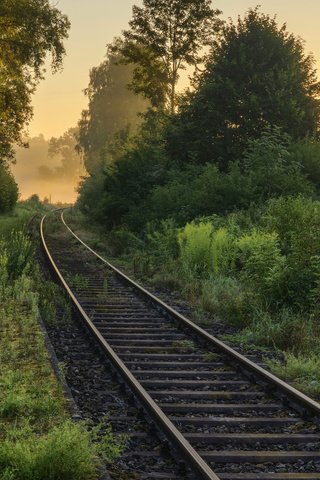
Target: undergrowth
(258,270)
(37,439)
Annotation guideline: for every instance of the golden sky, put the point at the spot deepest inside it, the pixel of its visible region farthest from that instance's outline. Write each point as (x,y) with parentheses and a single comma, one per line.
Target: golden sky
(59,99)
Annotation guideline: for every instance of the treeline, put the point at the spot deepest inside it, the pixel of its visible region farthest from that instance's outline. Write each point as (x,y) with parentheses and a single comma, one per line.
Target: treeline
(245,133)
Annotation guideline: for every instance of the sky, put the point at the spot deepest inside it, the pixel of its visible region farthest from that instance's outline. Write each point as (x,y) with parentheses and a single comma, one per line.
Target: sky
(59,99)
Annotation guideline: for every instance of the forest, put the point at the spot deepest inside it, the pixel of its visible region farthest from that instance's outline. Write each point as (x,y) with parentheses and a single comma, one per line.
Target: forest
(213,192)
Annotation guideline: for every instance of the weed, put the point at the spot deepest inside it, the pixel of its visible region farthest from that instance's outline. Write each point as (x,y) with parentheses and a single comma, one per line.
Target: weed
(184,346)
(223,252)
(224,297)
(195,247)
(77,280)
(301,370)
(211,357)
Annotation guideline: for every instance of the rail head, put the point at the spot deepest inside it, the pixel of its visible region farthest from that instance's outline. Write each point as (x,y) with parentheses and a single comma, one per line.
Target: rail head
(292,393)
(190,456)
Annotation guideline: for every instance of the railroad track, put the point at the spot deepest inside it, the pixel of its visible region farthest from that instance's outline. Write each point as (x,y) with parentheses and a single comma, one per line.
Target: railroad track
(225,416)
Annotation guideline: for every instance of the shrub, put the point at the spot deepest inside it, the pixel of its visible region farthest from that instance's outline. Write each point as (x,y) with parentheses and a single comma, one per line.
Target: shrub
(163,241)
(261,262)
(19,251)
(307,153)
(222,247)
(270,168)
(195,247)
(296,220)
(8,190)
(121,241)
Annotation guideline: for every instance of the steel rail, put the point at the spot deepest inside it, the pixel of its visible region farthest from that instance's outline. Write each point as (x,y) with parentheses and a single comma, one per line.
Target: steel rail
(290,392)
(190,456)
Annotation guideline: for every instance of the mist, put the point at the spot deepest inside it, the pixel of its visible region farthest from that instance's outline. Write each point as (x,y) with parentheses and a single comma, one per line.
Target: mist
(50,168)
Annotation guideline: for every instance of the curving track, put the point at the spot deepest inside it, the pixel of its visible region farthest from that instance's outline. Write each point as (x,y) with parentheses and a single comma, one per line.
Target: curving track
(224,415)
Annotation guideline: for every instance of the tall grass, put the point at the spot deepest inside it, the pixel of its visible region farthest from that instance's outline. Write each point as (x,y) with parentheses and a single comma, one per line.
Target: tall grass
(37,439)
(223,252)
(195,247)
(225,298)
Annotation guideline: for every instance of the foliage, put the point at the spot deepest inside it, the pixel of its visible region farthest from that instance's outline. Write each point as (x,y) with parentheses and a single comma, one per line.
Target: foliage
(256,75)
(8,190)
(63,148)
(195,247)
(225,298)
(90,200)
(67,452)
(38,440)
(297,223)
(223,251)
(261,262)
(165,36)
(133,175)
(112,108)
(301,370)
(270,168)
(307,153)
(163,240)
(29,31)
(283,330)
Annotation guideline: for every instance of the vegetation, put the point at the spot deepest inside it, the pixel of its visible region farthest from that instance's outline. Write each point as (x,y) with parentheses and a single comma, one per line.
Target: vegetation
(113,109)
(8,190)
(37,438)
(217,192)
(256,75)
(163,38)
(29,31)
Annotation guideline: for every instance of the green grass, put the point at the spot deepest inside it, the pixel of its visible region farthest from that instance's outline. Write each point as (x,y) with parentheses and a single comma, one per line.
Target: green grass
(37,438)
(303,371)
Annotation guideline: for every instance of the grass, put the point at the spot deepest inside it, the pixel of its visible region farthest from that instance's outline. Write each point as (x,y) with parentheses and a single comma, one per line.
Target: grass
(37,438)
(303,371)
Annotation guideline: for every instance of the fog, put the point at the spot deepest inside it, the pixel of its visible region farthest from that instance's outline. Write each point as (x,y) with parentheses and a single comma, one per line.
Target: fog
(43,170)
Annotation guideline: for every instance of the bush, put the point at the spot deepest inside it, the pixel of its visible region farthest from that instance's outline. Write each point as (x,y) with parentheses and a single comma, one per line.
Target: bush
(271,170)
(307,153)
(8,190)
(261,263)
(195,247)
(223,251)
(296,220)
(162,242)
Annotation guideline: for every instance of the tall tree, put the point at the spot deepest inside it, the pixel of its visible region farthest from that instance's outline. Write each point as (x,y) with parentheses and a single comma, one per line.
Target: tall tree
(164,37)
(64,149)
(29,31)
(112,107)
(257,75)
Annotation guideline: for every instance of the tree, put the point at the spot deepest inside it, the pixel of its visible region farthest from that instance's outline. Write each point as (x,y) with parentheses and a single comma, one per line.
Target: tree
(29,31)
(8,190)
(112,107)
(256,75)
(165,36)
(63,148)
